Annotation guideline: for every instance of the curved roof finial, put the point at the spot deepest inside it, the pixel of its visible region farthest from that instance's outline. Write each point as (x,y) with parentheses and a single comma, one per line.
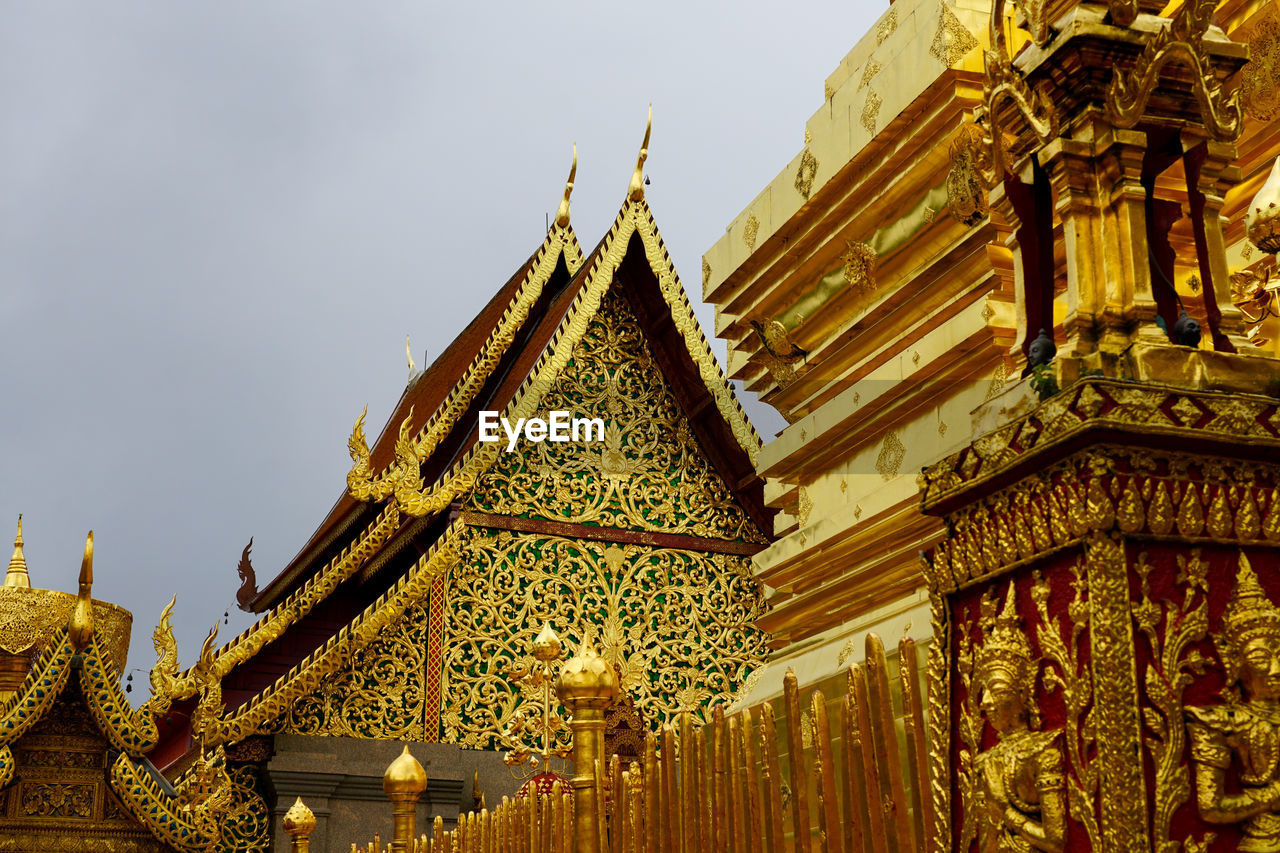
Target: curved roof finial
(562,213)
(635,192)
(81,624)
(17,575)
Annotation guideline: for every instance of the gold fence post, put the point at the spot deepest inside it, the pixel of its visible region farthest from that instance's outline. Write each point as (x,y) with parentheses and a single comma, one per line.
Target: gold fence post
(298,825)
(587,685)
(404,782)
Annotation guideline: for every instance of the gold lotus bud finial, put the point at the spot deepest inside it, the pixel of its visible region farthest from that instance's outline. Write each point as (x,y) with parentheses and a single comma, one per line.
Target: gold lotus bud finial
(1249,615)
(547,646)
(635,192)
(562,213)
(587,680)
(299,821)
(17,574)
(81,623)
(405,775)
(1262,217)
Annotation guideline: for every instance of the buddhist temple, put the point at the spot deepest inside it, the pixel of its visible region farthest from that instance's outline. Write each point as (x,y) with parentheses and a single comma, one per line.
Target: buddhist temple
(1009,579)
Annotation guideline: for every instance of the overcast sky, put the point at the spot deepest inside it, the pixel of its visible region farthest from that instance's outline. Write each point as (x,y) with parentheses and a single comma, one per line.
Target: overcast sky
(218,221)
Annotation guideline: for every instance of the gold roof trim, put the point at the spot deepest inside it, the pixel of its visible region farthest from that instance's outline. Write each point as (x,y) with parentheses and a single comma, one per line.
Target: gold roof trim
(275,622)
(635,218)
(191,830)
(41,688)
(338,649)
(17,576)
(362,483)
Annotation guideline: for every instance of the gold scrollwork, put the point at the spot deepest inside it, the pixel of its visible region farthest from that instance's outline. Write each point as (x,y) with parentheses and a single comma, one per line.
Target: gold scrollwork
(677,624)
(1070,675)
(380,692)
(1172,629)
(650,472)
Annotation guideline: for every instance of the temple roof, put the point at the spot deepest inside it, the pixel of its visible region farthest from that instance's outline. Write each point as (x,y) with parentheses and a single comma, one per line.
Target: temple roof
(403,489)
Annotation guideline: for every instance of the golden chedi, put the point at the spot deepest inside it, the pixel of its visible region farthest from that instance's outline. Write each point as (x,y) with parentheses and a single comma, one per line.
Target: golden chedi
(30,616)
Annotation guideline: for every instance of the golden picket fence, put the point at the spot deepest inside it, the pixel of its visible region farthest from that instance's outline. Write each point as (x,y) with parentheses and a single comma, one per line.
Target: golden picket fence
(842,776)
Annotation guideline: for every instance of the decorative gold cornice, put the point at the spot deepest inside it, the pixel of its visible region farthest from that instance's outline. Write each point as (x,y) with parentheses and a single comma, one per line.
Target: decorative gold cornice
(1144,409)
(34,698)
(1135,492)
(132,732)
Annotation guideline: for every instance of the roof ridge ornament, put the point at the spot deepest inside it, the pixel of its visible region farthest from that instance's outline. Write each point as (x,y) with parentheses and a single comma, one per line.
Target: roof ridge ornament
(80,626)
(562,212)
(635,192)
(17,575)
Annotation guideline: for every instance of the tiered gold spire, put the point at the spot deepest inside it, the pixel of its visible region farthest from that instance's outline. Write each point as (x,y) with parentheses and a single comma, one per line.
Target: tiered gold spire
(17,575)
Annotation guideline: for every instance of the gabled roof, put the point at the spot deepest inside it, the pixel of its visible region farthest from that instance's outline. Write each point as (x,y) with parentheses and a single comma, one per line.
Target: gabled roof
(429,454)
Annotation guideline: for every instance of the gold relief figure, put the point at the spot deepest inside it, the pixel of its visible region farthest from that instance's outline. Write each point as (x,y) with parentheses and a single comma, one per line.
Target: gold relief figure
(1017,797)
(1235,747)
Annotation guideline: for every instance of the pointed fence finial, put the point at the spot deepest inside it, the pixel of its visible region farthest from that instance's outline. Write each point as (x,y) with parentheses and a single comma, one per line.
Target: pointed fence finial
(562,213)
(81,622)
(636,191)
(17,574)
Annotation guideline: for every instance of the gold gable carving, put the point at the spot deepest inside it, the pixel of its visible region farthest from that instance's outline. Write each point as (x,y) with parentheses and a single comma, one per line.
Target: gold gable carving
(648,474)
(678,624)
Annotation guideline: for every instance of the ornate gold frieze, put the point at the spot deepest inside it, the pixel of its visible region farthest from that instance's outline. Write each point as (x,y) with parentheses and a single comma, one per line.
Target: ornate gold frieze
(648,474)
(1152,494)
(871,111)
(678,624)
(749,232)
(966,185)
(1105,404)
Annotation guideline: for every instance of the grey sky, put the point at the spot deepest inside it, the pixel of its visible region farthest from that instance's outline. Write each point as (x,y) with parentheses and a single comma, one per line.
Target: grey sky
(218,222)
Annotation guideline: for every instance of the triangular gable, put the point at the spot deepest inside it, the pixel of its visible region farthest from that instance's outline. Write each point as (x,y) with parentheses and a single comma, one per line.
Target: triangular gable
(416,497)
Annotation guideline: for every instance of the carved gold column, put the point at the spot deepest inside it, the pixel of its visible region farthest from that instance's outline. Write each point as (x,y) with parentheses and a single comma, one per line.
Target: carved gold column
(299,823)
(587,686)
(404,782)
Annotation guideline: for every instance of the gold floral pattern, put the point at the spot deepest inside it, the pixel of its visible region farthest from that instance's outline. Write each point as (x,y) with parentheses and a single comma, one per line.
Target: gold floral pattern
(648,474)
(678,624)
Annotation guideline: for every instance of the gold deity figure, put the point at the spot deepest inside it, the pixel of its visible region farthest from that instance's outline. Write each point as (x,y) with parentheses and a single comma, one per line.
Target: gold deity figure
(1019,797)
(1235,747)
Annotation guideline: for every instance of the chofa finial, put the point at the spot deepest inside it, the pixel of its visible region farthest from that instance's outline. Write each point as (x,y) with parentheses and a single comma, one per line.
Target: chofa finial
(17,574)
(635,192)
(562,212)
(81,622)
